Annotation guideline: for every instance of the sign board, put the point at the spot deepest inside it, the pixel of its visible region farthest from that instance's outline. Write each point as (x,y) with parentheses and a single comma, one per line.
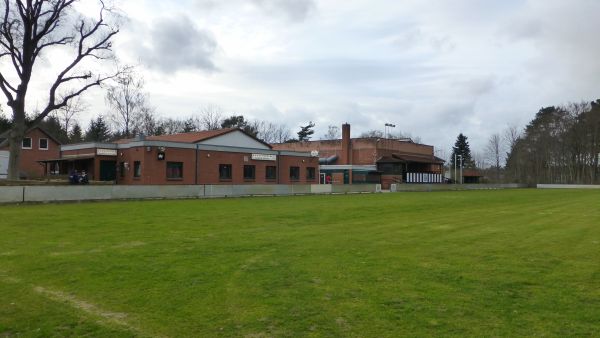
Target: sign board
(106,152)
(160,156)
(314,153)
(264,157)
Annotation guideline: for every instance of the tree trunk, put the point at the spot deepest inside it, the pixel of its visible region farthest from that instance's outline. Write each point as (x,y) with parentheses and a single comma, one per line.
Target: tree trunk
(15,141)
(16,135)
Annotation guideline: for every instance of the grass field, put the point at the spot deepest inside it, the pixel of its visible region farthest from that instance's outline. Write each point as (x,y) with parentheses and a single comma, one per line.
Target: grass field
(479,263)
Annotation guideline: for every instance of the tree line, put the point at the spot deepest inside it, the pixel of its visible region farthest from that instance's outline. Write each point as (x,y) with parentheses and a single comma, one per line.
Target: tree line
(560,145)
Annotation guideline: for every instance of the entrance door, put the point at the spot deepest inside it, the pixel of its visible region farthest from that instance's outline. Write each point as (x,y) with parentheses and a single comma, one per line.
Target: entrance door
(3,164)
(346,177)
(322,175)
(108,170)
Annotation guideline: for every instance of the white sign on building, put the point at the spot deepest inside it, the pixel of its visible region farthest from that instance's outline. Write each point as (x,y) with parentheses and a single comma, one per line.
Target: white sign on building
(106,152)
(264,157)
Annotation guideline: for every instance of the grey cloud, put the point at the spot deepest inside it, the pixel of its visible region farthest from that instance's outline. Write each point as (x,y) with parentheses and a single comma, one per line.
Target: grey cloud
(295,10)
(176,43)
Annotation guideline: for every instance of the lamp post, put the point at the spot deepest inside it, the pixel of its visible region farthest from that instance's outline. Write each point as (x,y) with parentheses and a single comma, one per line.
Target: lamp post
(460,157)
(455,178)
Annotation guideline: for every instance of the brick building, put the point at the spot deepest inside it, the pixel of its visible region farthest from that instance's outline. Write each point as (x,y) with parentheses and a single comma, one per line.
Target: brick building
(226,156)
(37,145)
(372,160)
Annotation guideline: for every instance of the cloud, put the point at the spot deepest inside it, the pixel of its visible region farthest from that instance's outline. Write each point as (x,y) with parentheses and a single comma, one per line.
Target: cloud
(292,10)
(295,10)
(175,43)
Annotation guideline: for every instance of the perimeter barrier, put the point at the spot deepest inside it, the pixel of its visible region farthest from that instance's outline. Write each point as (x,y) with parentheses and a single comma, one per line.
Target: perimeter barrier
(64,193)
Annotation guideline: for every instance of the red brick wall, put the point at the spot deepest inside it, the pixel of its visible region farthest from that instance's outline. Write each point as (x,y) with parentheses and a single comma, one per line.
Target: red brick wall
(29,157)
(364,151)
(155,171)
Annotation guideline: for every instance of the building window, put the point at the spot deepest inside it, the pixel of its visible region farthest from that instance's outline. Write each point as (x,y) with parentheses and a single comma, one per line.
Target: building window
(43,144)
(26,143)
(311,173)
(249,172)
(294,173)
(225,171)
(271,172)
(137,169)
(174,170)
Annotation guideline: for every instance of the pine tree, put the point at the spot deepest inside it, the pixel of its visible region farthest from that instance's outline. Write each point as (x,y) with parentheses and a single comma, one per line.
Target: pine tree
(53,127)
(306,132)
(76,134)
(461,147)
(98,131)
(189,125)
(238,121)
(5,123)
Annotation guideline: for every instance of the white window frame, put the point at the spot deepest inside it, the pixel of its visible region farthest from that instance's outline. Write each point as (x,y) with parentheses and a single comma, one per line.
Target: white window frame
(30,142)
(40,144)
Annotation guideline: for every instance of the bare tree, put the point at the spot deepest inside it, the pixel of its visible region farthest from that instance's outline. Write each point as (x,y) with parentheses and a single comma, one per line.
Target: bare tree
(511,136)
(146,122)
(211,117)
(493,152)
(372,134)
(282,134)
(271,132)
(27,30)
(128,100)
(66,114)
(333,133)
(172,126)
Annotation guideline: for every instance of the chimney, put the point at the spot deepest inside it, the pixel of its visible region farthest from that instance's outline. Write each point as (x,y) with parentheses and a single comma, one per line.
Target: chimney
(346,147)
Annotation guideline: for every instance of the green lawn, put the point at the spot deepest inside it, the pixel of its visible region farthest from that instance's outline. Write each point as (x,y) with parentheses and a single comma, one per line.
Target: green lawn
(475,263)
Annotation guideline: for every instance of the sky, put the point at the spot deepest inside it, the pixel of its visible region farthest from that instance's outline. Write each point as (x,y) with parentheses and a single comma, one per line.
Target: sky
(434,68)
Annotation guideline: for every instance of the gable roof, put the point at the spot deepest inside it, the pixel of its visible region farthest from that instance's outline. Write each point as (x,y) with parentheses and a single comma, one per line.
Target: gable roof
(47,134)
(4,134)
(191,137)
(196,136)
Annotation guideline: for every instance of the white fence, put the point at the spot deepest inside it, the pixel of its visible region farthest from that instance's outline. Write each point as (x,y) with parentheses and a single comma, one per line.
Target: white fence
(424,178)
(20,194)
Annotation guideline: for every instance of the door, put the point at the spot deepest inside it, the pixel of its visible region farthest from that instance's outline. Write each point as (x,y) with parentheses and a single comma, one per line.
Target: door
(3,164)
(346,177)
(108,170)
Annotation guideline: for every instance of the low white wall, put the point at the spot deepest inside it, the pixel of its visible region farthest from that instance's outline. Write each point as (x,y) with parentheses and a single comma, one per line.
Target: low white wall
(67,193)
(353,188)
(321,188)
(11,194)
(567,186)
(451,187)
(45,193)
(157,191)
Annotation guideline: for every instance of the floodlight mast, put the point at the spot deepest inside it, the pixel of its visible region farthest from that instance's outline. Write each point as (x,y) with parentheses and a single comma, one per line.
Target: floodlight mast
(387,129)
(461,169)
(455,176)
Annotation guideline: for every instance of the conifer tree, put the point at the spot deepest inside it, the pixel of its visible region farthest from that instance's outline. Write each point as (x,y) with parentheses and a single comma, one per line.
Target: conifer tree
(461,147)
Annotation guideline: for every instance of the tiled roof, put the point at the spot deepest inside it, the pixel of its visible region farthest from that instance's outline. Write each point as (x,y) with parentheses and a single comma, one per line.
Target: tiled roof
(192,137)
(419,158)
